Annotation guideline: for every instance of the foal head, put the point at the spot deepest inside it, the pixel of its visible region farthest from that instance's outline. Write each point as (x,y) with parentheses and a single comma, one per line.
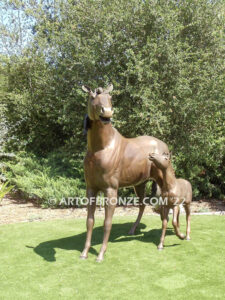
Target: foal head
(99,104)
(162,161)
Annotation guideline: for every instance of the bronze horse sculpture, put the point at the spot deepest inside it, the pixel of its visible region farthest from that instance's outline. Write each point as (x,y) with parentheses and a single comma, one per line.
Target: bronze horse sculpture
(175,191)
(113,161)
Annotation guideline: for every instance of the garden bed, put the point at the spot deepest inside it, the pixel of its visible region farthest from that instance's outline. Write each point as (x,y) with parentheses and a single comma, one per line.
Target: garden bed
(15,210)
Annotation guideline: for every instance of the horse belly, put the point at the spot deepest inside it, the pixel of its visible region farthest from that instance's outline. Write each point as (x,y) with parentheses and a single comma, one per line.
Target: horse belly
(135,173)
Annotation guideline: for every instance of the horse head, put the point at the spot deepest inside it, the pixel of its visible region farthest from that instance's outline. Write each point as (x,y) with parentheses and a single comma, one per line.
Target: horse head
(99,104)
(161,161)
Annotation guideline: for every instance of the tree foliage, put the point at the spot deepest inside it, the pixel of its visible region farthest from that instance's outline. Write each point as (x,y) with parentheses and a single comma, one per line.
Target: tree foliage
(165,59)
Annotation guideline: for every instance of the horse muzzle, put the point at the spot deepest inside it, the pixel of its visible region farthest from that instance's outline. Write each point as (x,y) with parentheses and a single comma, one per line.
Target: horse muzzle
(106,114)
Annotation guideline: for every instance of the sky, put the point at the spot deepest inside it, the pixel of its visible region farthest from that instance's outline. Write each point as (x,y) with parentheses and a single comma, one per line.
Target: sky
(15,30)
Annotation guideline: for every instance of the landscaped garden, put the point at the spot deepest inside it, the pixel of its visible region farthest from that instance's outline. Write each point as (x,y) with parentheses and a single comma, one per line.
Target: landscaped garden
(99,97)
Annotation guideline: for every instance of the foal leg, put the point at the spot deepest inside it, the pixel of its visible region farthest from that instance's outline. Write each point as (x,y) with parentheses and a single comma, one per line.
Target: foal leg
(187,208)
(164,216)
(91,195)
(161,214)
(140,192)
(175,225)
(111,195)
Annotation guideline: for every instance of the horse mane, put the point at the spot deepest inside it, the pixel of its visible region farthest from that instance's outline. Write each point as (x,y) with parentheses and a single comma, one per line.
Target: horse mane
(87,124)
(100,90)
(171,169)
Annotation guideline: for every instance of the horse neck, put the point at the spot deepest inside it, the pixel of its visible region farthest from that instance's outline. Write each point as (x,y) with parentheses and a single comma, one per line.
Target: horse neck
(169,178)
(100,136)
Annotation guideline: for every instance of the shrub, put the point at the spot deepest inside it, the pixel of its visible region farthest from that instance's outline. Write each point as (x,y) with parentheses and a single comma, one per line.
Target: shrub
(5,188)
(47,180)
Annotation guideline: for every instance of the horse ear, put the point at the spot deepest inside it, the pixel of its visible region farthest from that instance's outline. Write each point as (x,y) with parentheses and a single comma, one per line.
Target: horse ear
(108,89)
(86,89)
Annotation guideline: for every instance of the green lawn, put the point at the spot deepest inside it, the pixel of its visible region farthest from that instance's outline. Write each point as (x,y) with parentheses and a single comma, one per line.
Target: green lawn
(41,261)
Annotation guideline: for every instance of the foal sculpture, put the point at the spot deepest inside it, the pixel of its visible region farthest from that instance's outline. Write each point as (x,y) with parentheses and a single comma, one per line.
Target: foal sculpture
(175,191)
(113,161)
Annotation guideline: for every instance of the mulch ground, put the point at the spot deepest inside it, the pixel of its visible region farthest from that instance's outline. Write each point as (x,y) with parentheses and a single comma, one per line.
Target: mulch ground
(16,210)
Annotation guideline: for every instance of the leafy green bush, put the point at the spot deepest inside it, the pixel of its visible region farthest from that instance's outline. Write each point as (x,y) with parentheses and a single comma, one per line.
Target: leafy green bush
(48,180)
(4,189)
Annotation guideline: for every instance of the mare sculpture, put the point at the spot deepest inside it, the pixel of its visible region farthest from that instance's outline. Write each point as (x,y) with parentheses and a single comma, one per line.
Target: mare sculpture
(113,161)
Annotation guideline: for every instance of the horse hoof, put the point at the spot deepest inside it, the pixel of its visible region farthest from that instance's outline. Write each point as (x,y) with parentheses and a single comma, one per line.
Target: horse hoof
(188,238)
(131,232)
(160,248)
(98,260)
(182,236)
(83,257)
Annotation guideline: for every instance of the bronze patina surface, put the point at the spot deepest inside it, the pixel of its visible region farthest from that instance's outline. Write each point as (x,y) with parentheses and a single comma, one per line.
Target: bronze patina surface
(176,191)
(113,161)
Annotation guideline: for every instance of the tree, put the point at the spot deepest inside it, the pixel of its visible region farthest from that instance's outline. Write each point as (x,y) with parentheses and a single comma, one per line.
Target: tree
(165,59)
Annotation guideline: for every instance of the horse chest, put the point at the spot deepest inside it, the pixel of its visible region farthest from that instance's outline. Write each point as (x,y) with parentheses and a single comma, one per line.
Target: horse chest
(100,169)
(172,195)
(101,160)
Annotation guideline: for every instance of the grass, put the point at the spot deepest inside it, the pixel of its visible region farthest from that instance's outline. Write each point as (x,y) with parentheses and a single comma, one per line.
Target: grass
(40,260)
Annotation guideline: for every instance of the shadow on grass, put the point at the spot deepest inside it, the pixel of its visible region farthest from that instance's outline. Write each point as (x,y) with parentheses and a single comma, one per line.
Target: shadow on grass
(118,235)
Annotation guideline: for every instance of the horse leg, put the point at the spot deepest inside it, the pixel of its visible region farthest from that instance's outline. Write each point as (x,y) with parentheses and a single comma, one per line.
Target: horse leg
(178,217)
(175,225)
(110,205)
(187,208)
(161,214)
(140,192)
(164,214)
(91,195)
